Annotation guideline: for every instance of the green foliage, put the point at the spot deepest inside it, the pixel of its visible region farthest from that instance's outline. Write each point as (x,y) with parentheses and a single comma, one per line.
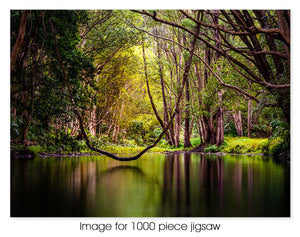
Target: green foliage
(229,129)
(36,149)
(39,95)
(103,60)
(211,149)
(280,129)
(22,151)
(188,23)
(136,128)
(244,145)
(164,144)
(152,134)
(279,143)
(15,128)
(195,142)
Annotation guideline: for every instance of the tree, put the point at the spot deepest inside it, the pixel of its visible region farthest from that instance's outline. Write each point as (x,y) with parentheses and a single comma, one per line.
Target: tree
(260,55)
(38,91)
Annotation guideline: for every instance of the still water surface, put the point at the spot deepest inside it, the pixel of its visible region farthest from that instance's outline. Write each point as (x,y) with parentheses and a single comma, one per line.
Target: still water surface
(156,185)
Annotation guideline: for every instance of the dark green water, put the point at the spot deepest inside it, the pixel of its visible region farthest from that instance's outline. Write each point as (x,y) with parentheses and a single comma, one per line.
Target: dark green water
(156,185)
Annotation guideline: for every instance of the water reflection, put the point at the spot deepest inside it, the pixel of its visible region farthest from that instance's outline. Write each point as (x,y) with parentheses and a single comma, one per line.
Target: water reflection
(155,185)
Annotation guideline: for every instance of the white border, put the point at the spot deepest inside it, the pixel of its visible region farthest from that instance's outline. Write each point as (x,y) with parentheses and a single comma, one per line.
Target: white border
(70,226)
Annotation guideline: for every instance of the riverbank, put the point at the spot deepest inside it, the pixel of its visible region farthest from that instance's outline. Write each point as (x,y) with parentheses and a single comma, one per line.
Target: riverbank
(231,145)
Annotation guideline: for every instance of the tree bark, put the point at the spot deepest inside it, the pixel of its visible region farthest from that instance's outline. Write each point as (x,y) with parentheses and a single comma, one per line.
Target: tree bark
(249,119)
(237,118)
(187,142)
(219,118)
(165,107)
(20,39)
(210,131)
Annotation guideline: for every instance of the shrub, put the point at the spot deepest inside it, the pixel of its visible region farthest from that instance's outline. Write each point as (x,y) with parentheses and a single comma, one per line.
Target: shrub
(163,144)
(278,144)
(211,149)
(36,149)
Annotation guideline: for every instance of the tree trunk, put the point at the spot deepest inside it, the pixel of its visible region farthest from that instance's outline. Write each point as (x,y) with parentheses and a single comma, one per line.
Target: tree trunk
(237,118)
(20,39)
(165,107)
(210,131)
(205,70)
(170,133)
(187,142)
(177,127)
(249,120)
(92,121)
(220,123)
(219,117)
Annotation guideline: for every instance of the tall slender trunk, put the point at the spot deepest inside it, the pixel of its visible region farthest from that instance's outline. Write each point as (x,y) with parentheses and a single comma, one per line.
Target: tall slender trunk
(177,127)
(112,121)
(92,121)
(205,70)
(187,142)
(162,83)
(117,127)
(220,122)
(200,85)
(249,119)
(219,117)
(161,122)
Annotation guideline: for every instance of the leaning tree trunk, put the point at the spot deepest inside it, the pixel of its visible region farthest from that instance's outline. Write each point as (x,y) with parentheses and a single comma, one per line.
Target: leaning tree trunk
(219,117)
(187,142)
(166,118)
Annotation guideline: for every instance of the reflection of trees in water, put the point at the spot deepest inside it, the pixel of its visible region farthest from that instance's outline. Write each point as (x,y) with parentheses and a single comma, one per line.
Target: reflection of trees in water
(176,186)
(167,191)
(127,189)
(212,181)
(186,187)
(135,169)
(211,185)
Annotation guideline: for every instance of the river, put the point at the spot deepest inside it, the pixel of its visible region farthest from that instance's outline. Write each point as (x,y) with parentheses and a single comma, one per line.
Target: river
(156,185)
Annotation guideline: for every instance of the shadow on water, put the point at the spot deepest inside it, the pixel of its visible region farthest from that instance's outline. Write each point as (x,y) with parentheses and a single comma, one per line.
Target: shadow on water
(173,185)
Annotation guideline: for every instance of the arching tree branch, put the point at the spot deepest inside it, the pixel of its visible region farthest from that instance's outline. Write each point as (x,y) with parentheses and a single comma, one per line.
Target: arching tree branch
(80,119)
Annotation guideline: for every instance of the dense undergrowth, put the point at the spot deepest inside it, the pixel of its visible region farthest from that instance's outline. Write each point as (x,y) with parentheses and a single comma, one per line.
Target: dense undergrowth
(61,143)
(66,145)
